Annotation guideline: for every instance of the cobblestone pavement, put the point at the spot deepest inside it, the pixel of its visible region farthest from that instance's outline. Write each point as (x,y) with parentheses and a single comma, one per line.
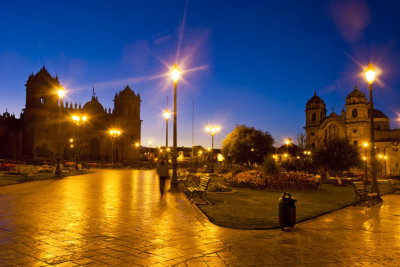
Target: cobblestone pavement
(118,217)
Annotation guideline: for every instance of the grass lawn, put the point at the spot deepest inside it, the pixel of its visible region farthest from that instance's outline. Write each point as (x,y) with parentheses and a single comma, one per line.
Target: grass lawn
(258,209)
(15,179)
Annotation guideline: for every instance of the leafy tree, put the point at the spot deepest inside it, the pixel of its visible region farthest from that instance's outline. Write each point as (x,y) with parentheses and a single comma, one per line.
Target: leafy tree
(269,165)
(337,156)
(246,145)
(44,150)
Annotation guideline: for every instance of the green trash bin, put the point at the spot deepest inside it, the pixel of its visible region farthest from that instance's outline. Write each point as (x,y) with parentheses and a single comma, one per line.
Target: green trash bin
(287,211)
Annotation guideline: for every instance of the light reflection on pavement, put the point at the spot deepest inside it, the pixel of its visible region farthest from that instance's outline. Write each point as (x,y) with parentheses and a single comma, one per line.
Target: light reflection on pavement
(118,217)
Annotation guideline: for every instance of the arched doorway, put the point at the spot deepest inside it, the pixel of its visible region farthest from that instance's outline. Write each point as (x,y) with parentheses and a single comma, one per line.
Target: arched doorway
(94,149)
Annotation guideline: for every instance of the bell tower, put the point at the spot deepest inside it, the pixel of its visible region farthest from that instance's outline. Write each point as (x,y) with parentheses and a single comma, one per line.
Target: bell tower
(315,115)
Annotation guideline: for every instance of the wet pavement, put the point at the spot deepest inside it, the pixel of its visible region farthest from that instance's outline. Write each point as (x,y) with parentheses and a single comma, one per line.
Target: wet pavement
(118,217)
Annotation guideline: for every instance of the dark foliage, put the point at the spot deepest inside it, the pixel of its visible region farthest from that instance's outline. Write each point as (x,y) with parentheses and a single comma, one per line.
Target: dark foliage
(337,156)
(246,145)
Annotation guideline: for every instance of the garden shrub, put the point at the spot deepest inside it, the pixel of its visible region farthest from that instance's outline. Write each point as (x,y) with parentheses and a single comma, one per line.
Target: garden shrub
(217,187)
(269,166)
(256,179)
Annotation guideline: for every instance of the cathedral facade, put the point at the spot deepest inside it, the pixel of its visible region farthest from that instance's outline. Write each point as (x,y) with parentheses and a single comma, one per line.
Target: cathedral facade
(90,140)
(354,124)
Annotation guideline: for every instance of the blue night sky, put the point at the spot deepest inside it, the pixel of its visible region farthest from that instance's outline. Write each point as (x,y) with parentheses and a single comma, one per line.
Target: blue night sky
(247,62)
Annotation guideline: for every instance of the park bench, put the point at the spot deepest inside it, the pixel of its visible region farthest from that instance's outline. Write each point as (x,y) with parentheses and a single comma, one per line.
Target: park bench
(395,184)
(200,189)
(363,193)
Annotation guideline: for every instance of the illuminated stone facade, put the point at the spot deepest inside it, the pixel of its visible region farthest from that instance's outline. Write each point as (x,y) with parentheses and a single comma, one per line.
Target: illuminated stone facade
(354,124)
(90,141)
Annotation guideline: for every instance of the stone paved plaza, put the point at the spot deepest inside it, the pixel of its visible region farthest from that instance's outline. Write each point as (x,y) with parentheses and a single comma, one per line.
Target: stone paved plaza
(118,217)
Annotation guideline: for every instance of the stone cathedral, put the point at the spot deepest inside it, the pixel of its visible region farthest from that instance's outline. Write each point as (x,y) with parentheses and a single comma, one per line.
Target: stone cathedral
(42,115)
(354,124)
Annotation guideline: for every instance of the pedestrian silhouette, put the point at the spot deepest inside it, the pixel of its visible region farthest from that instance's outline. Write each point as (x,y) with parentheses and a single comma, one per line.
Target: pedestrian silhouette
(163,173)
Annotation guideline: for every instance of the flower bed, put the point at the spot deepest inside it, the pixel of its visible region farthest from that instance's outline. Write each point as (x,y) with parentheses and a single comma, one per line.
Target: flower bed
(257,179)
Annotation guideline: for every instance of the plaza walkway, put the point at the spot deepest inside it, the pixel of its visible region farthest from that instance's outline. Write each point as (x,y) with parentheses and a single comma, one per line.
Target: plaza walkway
(118,217)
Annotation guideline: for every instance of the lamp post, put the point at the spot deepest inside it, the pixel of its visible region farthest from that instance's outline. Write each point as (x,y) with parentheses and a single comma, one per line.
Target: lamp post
(365,159)
(78,120)
(114,134)
(370,76)
(61,93)
(288,141)
(166,116)
(175,74)
(212,130)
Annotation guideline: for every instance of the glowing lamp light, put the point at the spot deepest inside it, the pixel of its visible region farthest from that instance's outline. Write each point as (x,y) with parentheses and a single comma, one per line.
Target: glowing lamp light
(60,93)
(84,118)
(167,114)
(220,157)
(115,133)
(370,73)
(364,158)
(365,144)
(137,144)
(288,141)
(175,73)
(285,155)
(380,156)
(71,140)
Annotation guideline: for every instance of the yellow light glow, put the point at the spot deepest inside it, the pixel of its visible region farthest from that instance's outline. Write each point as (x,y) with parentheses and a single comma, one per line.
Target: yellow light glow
(209,148)
(252,150)
(114,132)
(297,157)
(365,144)
(200,152)
(71,146)
(84,118)
(137,144)
(212,129)
(167,114)
(285,155)
(364,158)
(385,158)
(61,93)
(161,150)
(168,149)
(220,157)
(175,73)
(288,141)
(309,152)
(71,140)
(380,156)
(275,157)
(370,73)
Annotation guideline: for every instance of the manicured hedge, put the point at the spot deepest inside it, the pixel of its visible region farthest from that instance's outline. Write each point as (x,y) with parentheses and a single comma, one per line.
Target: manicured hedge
(257,179)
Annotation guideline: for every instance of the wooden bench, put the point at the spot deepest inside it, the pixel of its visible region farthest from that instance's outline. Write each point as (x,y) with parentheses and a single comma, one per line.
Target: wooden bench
(201,189)
(395,184)
(363,192)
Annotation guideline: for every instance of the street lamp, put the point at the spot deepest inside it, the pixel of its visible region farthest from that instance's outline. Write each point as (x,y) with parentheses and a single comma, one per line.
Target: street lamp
(166,116)
(114,133)
(78,120)
(175,75)
(288,141)
(60,93)
(370,77)
(212,130)
(365,145)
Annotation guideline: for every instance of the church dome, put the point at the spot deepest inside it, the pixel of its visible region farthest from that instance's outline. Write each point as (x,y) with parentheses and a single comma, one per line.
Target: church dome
(315,99)
(315,102)
(379,114)
(93,107)
(356,97)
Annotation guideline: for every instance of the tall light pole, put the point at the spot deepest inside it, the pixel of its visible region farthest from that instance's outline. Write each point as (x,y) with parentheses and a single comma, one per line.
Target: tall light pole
(114,134)
(365,159)
(166,116)
(78,120)
(175,74)
(212,130)
(61,93)
(370,76)
(288,141)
